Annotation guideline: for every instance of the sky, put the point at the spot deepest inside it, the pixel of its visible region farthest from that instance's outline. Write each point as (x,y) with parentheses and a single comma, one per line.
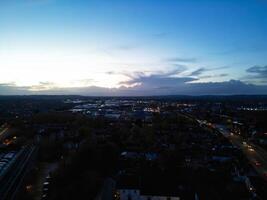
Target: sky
(134,47)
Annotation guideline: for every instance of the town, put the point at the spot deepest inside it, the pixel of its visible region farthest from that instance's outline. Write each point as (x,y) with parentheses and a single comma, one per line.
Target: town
(133,148)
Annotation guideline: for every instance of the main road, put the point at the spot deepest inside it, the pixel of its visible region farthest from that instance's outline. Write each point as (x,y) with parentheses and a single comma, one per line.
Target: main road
(254,153)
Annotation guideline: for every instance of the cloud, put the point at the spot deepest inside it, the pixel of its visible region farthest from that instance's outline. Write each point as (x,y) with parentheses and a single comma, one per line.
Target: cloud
(259,71)
(180,59)
(144,84)
(125,47)
(213,76)
(202,70)
(177,69)
(164,84)
(84,82)
(12,89)
(225,88)
(198,72)
(157,81)
(257,74)
(43,86)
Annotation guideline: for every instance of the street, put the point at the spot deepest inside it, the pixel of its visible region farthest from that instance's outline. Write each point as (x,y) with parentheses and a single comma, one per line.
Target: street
(255,154)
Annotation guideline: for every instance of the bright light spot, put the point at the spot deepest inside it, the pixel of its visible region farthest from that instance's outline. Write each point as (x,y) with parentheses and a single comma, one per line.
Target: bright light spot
(57,68)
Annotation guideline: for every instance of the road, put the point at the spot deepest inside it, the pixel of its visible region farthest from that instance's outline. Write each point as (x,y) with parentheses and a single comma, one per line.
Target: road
(107,190)
(44,170)
(256,155)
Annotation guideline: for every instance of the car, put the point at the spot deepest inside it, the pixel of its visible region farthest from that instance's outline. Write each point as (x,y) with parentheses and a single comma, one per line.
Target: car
(46,183)
(9,155)
(251,149)
(257,163)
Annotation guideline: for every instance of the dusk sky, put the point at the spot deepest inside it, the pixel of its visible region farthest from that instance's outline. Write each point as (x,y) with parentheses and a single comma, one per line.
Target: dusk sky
(135,47)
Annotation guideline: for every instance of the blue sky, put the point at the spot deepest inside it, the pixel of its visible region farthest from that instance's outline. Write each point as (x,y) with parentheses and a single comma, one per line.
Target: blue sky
(137,47)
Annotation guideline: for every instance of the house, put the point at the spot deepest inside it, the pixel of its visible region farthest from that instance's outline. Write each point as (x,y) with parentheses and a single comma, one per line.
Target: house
(129,188)
(134,187)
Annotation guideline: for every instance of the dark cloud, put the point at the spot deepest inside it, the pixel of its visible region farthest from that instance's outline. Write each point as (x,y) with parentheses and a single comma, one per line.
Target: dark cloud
(155,85)
(166,85)
(12,89)
(177,69)
(158,81)
(202,70)
(147,85)
(225,88)
(214,76)
(258,71)
(198,72)
(256,74)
